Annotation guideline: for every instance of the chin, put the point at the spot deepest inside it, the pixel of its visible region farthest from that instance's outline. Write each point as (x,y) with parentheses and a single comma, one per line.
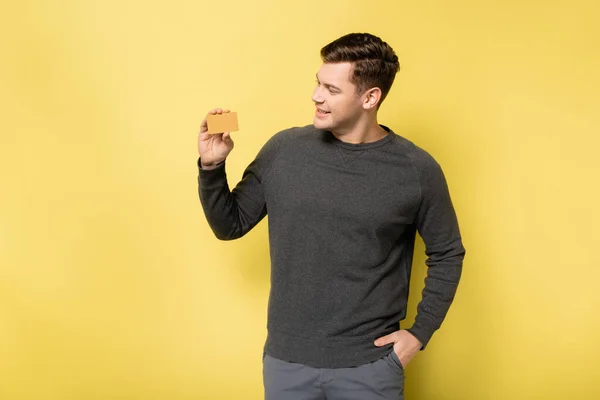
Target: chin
(319,124)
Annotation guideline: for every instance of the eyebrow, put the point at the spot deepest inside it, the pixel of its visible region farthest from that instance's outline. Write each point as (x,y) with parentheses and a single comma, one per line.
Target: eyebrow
(327,85)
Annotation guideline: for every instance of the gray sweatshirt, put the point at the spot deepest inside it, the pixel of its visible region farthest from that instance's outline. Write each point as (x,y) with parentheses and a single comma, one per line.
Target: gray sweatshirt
(342,224)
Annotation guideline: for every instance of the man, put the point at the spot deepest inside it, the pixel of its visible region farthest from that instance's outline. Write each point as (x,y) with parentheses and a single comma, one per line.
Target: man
(345,197)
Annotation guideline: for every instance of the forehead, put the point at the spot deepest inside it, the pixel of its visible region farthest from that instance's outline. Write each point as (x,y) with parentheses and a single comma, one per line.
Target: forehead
(337,74)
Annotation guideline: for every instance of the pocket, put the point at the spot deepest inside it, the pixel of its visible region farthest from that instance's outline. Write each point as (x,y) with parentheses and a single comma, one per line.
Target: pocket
(396,360)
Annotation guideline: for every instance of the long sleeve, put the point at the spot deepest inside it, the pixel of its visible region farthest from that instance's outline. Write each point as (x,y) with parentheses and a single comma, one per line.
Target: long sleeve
(232,214)
(438,226)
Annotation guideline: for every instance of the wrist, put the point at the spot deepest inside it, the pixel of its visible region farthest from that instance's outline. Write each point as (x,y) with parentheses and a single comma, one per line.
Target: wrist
(210,166)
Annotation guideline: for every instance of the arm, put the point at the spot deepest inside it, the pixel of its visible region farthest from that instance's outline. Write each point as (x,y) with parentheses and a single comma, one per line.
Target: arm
(438,226)
(232,214)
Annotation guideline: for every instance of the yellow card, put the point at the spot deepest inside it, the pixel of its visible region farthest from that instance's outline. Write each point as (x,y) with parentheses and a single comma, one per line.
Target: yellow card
(219,123)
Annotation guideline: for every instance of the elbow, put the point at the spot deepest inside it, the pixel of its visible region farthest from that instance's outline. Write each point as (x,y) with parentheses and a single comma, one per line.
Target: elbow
(456,252)
(225,238)
(227,235)
(453,253)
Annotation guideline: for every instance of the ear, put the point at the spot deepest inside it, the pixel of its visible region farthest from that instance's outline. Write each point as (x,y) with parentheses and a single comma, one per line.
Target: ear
(371,98)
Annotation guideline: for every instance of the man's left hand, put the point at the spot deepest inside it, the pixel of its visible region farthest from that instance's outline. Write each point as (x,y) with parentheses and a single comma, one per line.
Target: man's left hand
(406,345)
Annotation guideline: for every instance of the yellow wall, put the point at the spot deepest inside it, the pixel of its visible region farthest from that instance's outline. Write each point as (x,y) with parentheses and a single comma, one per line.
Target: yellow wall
(112,285)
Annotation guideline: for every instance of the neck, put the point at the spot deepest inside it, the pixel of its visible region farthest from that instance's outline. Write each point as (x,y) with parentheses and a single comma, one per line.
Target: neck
(361,132)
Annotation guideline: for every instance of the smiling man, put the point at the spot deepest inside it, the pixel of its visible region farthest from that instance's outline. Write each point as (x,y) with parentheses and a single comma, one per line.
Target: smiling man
(345,198)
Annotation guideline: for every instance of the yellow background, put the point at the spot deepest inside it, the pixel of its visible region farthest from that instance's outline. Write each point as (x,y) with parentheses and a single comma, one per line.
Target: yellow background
(112,285)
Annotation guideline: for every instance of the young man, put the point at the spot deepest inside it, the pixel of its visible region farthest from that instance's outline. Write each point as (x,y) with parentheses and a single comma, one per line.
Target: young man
(345,197)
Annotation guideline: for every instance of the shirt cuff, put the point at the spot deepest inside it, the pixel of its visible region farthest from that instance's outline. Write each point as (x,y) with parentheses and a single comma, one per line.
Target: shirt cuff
(423,334)
(211,177)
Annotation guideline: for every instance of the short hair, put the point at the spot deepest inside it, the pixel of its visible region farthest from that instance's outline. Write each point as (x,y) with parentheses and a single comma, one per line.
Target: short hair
(375,63)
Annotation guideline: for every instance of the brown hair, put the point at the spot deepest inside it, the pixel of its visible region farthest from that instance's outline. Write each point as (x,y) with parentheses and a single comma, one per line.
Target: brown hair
(374,62)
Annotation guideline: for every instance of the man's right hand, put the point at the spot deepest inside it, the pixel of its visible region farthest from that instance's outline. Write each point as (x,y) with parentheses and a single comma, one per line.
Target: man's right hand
(213,148)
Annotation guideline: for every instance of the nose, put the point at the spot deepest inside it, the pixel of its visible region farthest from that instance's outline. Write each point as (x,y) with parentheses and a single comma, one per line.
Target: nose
(317,96)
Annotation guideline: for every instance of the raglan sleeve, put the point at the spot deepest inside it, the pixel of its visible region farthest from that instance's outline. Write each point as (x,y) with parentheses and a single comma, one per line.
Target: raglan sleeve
(233,213)
(437,225)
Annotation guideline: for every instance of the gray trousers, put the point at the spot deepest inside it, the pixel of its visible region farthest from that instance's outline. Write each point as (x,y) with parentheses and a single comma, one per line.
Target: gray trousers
(381,379)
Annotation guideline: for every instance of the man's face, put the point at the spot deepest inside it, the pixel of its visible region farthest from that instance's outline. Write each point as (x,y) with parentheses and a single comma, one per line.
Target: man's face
(338,106)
